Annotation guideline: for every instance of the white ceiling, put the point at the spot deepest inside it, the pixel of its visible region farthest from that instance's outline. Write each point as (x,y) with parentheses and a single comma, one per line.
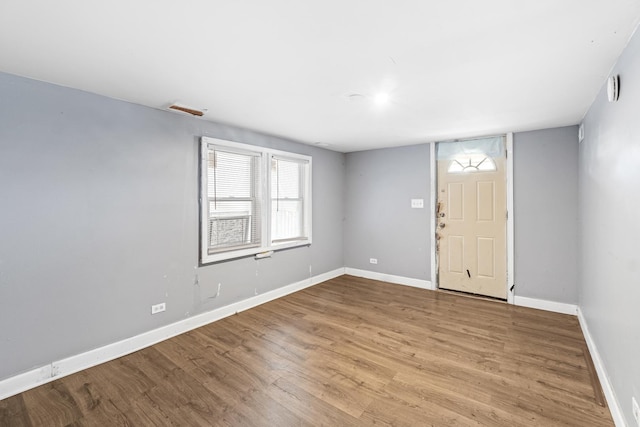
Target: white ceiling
(309,70)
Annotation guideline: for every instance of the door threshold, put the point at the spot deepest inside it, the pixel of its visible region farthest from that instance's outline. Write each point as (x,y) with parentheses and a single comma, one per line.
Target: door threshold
(472,295)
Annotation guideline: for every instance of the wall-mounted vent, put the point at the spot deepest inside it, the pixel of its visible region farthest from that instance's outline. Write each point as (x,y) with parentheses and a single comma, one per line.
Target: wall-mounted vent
(187,110)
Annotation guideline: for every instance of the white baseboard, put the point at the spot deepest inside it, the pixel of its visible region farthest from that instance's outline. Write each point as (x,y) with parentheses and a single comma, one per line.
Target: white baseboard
(541,304)
(327,276)
(400,280)
(607,388)
(58,369)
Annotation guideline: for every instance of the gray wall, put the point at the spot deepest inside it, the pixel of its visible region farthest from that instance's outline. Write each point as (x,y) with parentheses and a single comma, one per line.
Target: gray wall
(610,228)
(99,220)
(545,178)
(380,222)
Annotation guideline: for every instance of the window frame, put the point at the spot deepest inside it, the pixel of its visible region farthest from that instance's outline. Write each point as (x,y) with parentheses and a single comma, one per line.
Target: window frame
(266,244)
(253,198)
(303,179)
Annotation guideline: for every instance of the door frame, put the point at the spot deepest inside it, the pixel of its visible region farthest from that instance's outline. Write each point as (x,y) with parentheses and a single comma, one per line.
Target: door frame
(510,217)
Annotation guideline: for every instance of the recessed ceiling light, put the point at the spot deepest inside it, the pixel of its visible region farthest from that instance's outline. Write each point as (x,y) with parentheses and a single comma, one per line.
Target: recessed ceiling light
(381,98)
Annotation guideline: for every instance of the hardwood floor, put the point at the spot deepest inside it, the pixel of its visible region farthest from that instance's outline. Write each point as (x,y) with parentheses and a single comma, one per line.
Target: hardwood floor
(348,352)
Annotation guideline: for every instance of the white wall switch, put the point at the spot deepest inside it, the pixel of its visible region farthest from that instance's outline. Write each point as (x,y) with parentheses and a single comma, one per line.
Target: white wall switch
(158,308)
(373,260)
(417,203)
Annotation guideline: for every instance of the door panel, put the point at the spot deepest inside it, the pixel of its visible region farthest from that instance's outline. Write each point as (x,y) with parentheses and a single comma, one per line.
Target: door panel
(456,201)
(471,229)
(456,254)
(485,201)
(486,257)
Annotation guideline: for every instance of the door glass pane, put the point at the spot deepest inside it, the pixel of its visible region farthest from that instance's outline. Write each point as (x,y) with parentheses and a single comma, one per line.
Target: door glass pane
(472,163)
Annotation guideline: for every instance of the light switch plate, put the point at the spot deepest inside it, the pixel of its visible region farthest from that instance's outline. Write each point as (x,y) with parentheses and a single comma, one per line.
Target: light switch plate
(417,203)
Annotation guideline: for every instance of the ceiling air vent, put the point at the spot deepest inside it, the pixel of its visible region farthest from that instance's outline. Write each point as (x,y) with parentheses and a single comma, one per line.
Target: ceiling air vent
(187,110)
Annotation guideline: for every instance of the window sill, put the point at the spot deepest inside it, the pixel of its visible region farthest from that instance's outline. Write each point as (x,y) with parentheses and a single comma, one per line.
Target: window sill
(250,252)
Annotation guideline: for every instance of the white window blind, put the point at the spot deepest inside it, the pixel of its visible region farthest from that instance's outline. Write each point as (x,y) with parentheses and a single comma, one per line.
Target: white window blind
(233,185)
(288,184)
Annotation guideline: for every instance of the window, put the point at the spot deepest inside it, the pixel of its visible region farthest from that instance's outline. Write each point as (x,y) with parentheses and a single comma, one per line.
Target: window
(287,199)
(471,155)
(472,163)
(253,200)
(233,198)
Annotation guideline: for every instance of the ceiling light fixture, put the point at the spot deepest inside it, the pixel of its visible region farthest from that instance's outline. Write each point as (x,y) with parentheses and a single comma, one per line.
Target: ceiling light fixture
(613,88)
(381,98)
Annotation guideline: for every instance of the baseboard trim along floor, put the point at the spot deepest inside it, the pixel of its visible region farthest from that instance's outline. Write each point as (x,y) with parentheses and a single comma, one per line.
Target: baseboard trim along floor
(607,388)
(60,368)
(540,304)
(390,278)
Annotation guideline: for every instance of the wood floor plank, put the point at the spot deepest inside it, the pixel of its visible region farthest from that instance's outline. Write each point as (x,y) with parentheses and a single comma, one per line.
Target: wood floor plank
(415,393)
(143,411)
(259,408)
(312,410)
(51,404)
(13,411)
(98,404)
(336,389)
(394,412)
(348,352)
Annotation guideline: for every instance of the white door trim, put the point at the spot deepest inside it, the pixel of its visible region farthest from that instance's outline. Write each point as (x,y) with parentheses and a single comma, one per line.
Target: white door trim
(510,227)
(510,218)
(432,184)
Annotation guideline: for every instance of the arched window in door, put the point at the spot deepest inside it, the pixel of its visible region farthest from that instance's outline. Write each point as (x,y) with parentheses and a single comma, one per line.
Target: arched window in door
(471,163)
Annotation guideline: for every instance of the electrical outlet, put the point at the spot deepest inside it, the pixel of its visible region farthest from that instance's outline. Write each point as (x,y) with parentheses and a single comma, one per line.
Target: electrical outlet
(373,260)
(158,308)
(636,410)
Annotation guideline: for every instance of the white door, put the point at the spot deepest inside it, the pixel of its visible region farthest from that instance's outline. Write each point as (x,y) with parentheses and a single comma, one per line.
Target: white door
(472,220)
